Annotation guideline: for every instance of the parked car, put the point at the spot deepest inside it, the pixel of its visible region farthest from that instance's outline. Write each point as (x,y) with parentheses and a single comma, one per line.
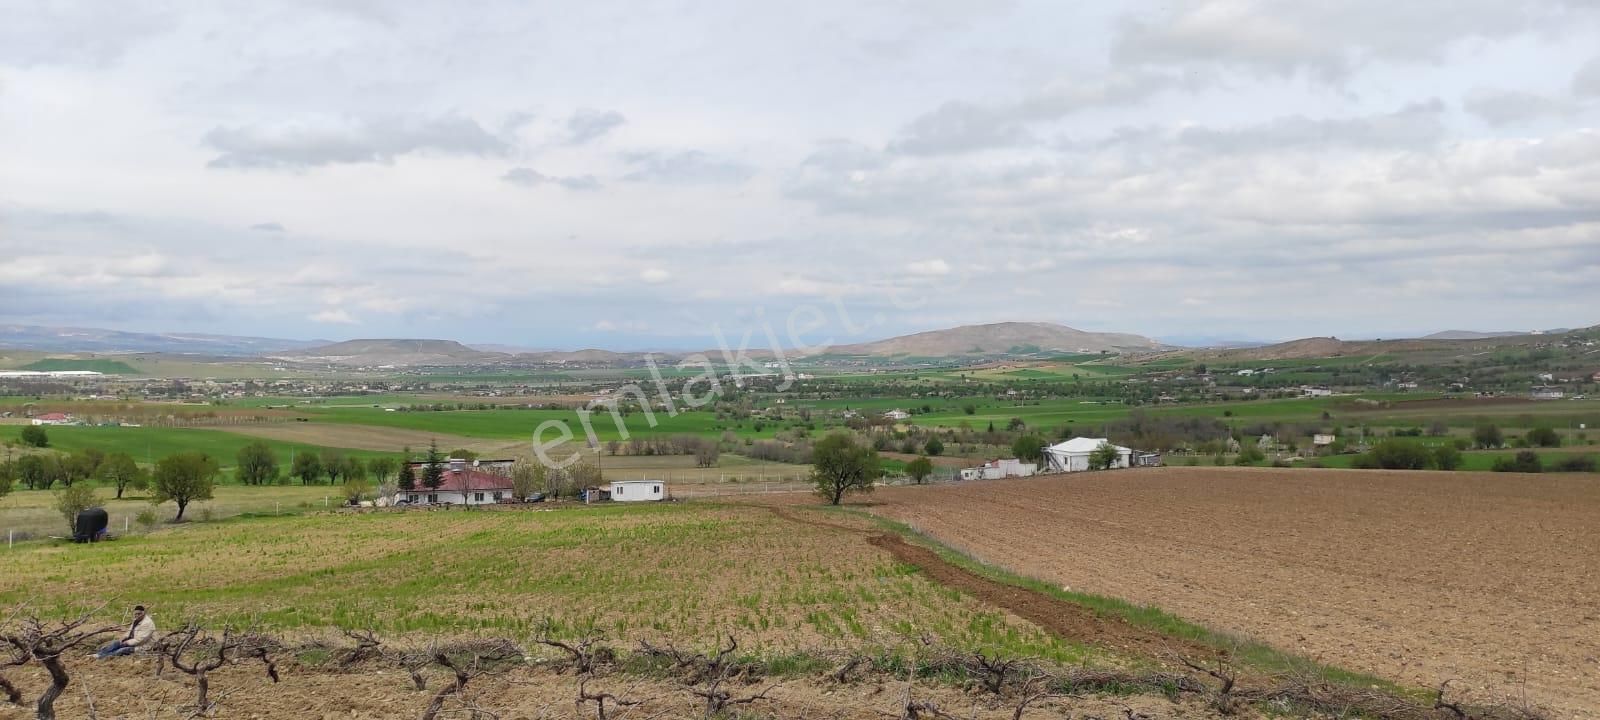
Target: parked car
(536,497)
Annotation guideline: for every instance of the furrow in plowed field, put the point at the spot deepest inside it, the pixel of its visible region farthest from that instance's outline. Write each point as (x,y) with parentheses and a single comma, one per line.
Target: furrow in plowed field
(1489,578)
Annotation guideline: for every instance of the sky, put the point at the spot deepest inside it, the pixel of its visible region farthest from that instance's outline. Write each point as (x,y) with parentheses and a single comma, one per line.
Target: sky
(636,175)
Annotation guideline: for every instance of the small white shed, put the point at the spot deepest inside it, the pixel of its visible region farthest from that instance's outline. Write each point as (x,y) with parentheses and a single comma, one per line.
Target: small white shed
(638,491)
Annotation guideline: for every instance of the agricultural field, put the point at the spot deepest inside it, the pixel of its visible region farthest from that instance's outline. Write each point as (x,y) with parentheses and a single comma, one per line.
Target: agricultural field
(32,513)
(664,571)
(1488,578)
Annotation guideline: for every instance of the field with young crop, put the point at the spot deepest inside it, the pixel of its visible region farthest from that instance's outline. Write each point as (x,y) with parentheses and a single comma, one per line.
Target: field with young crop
(664,571)
(1492,579)
(32,513)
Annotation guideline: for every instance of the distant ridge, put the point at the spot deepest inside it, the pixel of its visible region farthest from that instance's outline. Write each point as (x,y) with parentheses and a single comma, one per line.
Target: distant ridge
(77,339)
(394,351)
(1004,338)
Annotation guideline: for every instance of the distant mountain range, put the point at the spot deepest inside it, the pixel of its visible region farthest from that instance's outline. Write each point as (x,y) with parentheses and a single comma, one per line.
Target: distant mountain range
(992,340)
(1006,338)
(1475,335)
(75,339)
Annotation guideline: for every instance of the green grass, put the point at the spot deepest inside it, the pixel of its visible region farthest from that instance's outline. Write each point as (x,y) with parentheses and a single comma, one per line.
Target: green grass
(148,444)
(109,367)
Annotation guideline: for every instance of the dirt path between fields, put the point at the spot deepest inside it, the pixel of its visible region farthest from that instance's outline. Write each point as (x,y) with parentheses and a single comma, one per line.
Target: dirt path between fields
(1062,618)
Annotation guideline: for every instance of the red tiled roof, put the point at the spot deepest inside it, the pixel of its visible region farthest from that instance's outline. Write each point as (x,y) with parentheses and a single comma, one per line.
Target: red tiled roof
(467,480)
(52,416)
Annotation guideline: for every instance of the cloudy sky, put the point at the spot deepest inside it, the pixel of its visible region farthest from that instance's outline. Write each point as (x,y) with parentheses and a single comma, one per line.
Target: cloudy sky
(635,174)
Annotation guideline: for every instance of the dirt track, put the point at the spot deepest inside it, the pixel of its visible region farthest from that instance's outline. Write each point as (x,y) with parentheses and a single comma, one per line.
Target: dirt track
(1061,618)
(1492,579)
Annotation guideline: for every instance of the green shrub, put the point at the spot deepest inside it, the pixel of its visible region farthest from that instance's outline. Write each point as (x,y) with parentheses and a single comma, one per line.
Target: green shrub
(1401,455)
(1576,463)
(1526,461)
(1446,457)
(146,519)
(1543,437)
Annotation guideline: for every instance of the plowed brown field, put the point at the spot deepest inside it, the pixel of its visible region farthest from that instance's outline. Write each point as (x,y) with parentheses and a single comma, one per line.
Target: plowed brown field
(1486,578)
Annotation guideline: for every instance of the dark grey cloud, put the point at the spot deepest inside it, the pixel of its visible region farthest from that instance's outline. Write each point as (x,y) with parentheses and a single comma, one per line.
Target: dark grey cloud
(299,145)
(686,167)
(528,177)
(586,124)
(1502,108)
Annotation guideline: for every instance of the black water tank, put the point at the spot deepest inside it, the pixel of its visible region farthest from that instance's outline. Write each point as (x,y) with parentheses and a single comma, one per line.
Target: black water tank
(90,525)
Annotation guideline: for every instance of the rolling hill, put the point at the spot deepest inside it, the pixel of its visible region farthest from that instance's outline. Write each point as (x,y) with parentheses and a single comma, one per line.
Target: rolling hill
(1005,338)
(393,351)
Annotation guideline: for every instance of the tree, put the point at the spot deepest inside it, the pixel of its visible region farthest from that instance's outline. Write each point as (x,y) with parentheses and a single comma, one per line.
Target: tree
(935,447)
(355,469)
(463,454)
(257,465)
(1103,457)
(407,479)
(1446,457)
(919,469)
(1028,448)
(36,436)
(333,465)
(8,477)
(1401,455)
(307,467)
(73,499)
(527,478)
(81,465)
(356,487)
(1544,437)
(840,465)
(121,472)
(1487,436)
(433,470)
(39,471)
(183,478)
(383,468)
(1526,461)
(1015,424)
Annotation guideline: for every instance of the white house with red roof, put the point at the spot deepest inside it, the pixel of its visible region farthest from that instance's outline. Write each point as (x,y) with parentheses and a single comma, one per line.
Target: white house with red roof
(463,484)
(54,418)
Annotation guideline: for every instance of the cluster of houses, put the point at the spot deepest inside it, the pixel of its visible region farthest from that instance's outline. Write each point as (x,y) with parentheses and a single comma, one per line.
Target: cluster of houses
(488,482)
(1070,456)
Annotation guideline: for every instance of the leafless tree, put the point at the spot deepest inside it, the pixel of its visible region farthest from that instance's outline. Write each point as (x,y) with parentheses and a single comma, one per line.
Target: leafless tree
(584,654)
(1225,675)
(367,647)
(197,653)
(466,661)
(46,643)
(599,699)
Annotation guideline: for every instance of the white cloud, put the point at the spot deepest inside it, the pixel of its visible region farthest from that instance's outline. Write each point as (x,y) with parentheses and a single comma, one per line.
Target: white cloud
(1320,159)
(333,316)
(935,266)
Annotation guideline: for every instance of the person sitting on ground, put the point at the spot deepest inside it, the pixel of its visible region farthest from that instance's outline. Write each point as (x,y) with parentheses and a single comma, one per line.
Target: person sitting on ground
(139,634)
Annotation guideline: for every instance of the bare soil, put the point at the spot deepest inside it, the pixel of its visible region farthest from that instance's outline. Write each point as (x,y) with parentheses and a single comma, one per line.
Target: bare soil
(1489,579)
(129,688)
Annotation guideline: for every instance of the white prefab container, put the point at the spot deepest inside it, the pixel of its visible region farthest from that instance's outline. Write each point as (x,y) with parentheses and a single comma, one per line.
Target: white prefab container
(638,491)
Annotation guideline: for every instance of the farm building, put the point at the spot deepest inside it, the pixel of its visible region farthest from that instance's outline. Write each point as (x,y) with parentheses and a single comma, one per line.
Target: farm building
(1073,455)
(896,415)
(1544,392)
(54,419)
(638,491)
(1147,459)
(996,469)
(462,485)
